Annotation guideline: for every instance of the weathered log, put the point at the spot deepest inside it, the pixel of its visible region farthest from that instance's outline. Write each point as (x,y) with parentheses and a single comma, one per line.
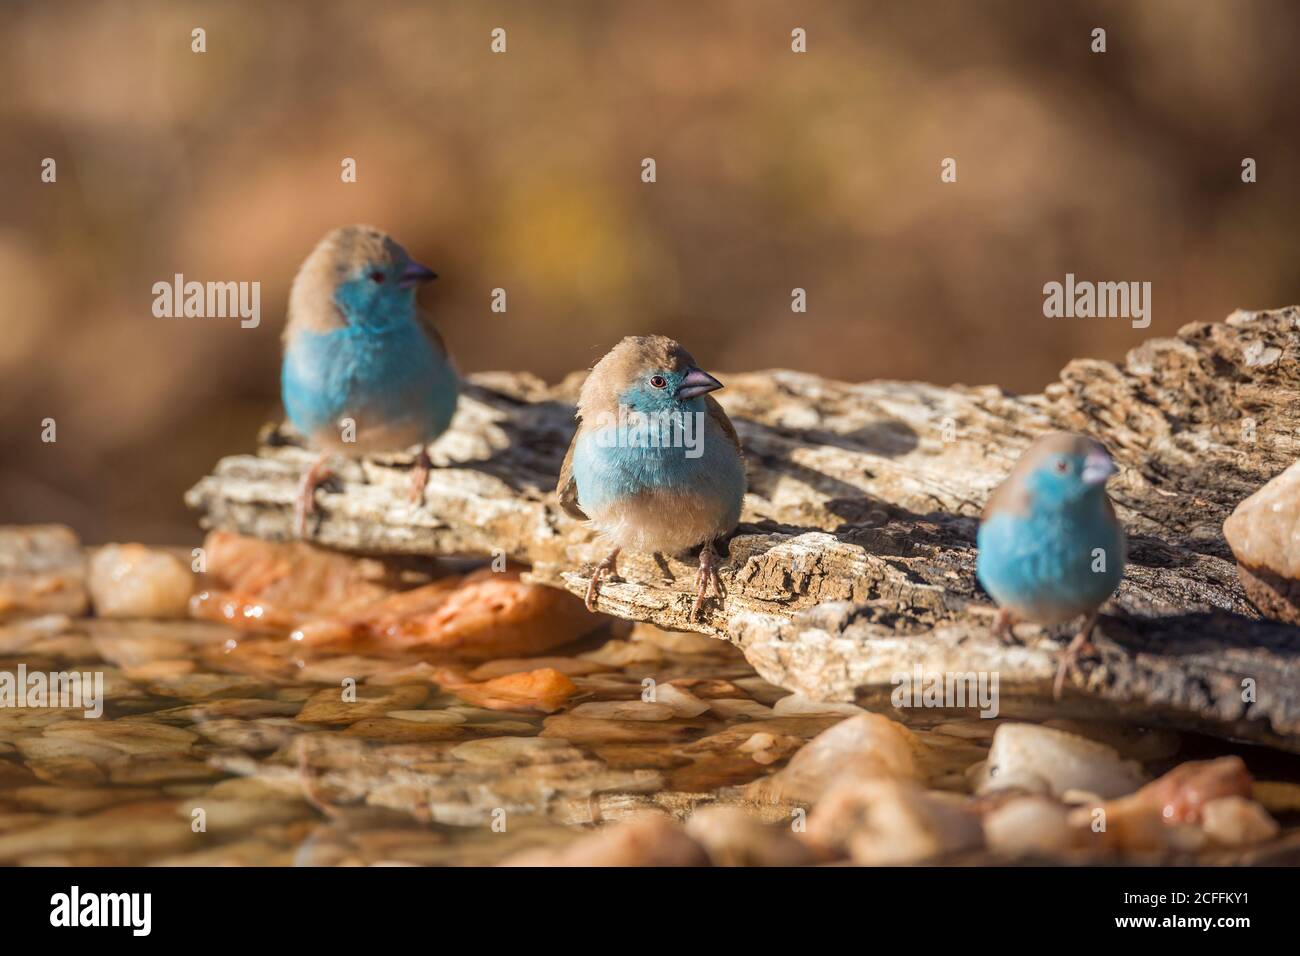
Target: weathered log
(856,557)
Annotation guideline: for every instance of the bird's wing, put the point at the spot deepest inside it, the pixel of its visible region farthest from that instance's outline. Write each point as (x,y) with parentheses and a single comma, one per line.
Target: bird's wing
(567,488)
(720,417)
(991,505)
(1009,497)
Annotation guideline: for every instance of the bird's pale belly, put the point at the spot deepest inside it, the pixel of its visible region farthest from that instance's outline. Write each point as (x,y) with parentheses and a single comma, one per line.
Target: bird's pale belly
(666,522)
(367,438)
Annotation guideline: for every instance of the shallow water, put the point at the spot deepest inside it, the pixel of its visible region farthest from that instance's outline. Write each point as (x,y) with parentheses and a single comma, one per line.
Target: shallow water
(217,747)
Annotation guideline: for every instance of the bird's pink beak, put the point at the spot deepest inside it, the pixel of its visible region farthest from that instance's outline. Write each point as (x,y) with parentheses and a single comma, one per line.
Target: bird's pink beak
(1097,468)
(415,273)
(697,382)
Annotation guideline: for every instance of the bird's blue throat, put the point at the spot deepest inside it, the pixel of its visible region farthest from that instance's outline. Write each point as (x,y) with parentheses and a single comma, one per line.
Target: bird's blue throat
(376,307)
(655,432)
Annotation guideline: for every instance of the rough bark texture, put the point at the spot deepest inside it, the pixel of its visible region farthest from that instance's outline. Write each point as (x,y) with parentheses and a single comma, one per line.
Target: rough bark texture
(856,557)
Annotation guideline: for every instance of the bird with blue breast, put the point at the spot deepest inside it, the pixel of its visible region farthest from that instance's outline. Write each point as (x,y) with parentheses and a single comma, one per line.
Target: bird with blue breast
(1051,548)
(364,369)
(655,465)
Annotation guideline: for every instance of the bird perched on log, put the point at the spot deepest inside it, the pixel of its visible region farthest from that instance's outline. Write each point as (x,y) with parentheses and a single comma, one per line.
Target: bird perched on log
(364,370)
(1050,546)
(655,464)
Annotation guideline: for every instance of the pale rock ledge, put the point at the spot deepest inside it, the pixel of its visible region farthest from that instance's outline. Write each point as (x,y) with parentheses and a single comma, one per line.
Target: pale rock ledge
(856,556)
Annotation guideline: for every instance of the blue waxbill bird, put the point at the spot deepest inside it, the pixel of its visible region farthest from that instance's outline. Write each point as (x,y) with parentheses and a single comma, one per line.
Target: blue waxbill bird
(1050,546)
(656,464)
(364,370)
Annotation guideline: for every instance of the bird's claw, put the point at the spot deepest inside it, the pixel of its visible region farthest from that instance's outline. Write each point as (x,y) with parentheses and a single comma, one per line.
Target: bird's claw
(1004,626)
(608,567)
(304,505)
(420,476)
(1079,645)
(706,578)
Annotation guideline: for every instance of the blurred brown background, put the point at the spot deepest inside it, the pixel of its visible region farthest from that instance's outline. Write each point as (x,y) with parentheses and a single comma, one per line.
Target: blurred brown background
(522,170)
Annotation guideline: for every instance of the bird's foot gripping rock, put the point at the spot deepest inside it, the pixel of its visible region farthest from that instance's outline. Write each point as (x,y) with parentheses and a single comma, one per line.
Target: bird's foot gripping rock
(706,579)
(607,568)
(1079,645)
(1004,626)
(304,505)
(420,476)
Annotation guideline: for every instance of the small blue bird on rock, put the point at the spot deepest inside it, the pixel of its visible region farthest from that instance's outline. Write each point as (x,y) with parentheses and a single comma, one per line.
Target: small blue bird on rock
(655,464)
(1050,546)
(364,370)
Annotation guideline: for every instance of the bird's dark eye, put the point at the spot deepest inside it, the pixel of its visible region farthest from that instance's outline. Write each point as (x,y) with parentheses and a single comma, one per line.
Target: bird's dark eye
(377,277)
(658,381)
(1062,465)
